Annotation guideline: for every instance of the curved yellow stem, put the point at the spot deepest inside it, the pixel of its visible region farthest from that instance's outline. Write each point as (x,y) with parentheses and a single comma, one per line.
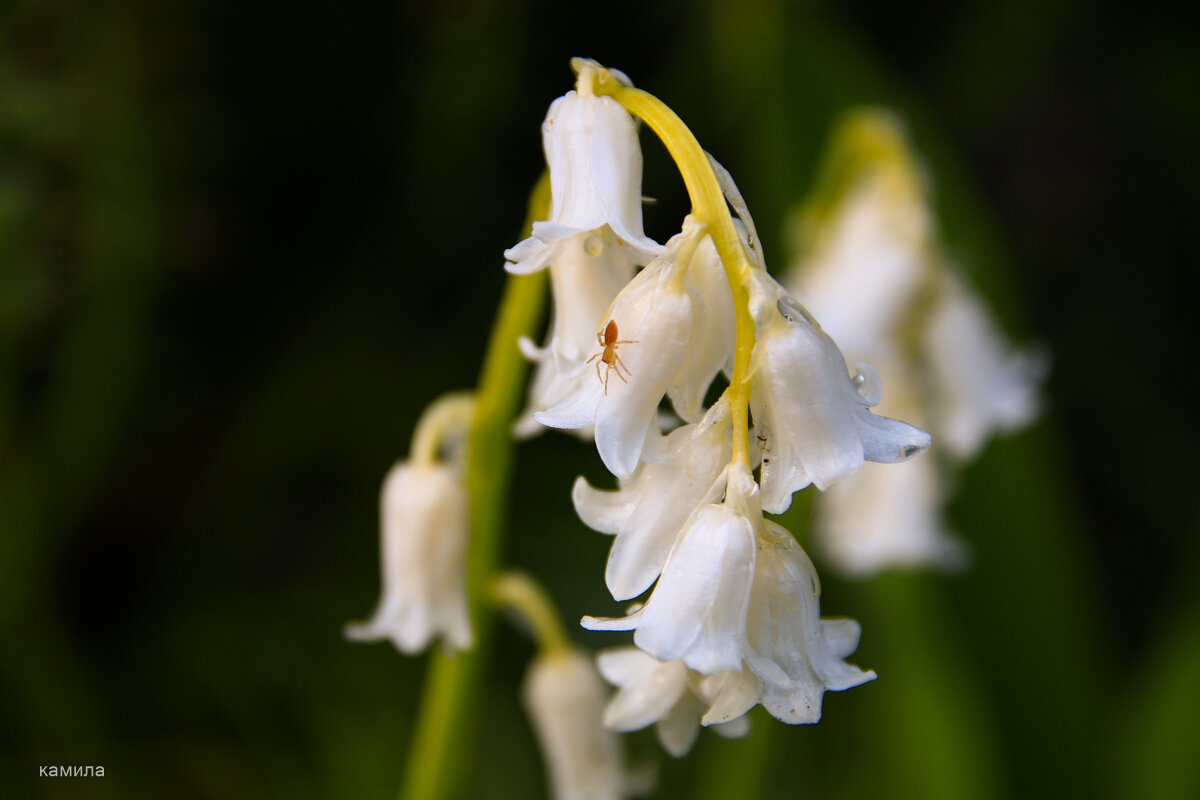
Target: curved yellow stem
(709,208)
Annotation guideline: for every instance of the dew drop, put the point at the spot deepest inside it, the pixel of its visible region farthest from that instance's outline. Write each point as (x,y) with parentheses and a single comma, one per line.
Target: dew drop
(867,383)
(593,245)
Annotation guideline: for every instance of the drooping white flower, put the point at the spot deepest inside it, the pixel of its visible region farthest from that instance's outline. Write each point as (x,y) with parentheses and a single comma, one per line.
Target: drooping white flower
(810,414)
(697,611)
(674,698)
(981,384)
(797,655)
(595,164)
(424,541)
(649,509)
(564,697)
(870,269)
(646,339)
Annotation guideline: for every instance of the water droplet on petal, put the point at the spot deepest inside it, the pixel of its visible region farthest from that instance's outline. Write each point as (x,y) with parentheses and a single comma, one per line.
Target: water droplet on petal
(867,383)
(593,245)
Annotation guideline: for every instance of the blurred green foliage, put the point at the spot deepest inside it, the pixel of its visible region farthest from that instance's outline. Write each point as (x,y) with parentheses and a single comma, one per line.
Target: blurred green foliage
(242,245)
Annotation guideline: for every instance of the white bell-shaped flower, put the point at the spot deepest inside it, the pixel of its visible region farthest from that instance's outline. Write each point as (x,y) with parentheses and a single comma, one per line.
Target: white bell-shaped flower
(424,543)
(797,655)
(565,697)
(644,340)
(595,164)
(649,509)
(588,271)
(674,698)
(981,385)
(810,414)
(697,611)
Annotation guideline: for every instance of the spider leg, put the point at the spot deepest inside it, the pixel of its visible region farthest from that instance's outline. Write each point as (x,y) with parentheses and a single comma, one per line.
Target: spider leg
(593,358)
(620,365)
(606,373)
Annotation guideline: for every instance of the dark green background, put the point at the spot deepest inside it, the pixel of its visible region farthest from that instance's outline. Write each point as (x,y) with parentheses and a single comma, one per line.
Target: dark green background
(242,245)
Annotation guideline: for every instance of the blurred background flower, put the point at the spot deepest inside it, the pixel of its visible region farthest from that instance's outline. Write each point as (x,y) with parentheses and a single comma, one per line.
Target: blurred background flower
(233,270)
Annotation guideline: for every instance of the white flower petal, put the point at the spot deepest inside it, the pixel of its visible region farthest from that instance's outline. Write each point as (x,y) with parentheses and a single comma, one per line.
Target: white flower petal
(671,695)
(734,729)
(678,728)
(612,623)
(648,688)
(712,338)
(649,324)
(842,635)
(731,695)
(697,611)
(649,510)
(659,318)
(607,512)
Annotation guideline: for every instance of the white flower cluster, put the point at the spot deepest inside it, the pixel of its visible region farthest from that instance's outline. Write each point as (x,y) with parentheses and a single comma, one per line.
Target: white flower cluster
(733,618)
(870,267)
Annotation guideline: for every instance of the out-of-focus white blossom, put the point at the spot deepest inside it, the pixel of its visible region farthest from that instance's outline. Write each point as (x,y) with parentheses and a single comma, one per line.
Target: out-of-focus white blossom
(871,270)
(867,266)
(565,697)
(980,384)
(424,541)
(887,516)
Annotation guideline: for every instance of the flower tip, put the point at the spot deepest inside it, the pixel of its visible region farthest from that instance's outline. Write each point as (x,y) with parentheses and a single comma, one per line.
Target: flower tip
(587,70)
(610,623)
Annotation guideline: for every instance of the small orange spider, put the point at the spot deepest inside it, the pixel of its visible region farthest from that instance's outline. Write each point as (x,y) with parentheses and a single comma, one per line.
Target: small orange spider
(608,356)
